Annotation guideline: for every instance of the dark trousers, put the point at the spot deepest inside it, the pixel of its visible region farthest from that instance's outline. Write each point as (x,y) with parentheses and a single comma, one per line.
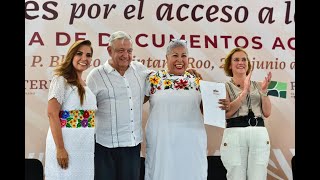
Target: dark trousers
(121,163)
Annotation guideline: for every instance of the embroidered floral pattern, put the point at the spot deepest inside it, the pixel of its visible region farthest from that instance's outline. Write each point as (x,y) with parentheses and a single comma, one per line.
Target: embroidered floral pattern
(77,118)
(161,81)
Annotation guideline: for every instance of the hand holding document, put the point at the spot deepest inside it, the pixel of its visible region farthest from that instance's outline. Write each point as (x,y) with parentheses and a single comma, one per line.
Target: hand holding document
(211,92)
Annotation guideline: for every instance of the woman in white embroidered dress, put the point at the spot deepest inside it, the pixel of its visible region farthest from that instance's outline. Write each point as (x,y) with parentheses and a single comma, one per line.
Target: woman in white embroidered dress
(176,140)
(71,111)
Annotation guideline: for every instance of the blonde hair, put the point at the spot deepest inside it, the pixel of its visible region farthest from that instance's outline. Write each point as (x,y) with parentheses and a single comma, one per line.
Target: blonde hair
(67,70)
(227,61)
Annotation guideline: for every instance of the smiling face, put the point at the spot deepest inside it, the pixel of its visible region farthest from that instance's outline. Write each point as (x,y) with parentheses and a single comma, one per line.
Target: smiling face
(82,58)
(121,53)
(239,63)
(177,60)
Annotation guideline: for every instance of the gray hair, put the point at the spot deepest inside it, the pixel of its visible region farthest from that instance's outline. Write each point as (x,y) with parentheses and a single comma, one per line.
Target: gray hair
(119,35)
(176,43)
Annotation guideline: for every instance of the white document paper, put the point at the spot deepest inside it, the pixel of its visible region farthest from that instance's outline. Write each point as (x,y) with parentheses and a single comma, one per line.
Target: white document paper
(211,92)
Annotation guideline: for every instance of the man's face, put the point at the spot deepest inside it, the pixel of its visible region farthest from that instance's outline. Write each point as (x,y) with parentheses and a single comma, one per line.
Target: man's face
(121,53)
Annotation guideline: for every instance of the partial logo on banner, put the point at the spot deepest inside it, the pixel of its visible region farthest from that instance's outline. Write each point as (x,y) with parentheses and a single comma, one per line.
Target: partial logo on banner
(277,89)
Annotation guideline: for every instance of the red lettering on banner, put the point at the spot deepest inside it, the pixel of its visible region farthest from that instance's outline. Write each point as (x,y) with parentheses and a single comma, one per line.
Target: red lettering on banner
(154,39)
(77,36)
(278,43)
(36,59)
(101,35)
(290,41)
(138,41)
(288,9)
(63,38)
(36,38)
(254,40)
(58,39)
(35,7)
(161,40)
(165,11)
(208,40)
(131,8)
(54,61)
(93,8)
(36,84)
(193,40)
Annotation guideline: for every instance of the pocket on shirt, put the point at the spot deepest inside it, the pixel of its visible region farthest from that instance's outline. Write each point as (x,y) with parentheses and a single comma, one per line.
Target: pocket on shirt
(230,148)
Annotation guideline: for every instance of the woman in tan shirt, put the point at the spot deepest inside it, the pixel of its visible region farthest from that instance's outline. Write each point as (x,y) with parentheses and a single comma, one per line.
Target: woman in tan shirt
(245,146)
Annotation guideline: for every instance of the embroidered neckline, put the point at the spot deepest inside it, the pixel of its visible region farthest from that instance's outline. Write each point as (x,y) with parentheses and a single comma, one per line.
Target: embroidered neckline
(161,80)
(185,75)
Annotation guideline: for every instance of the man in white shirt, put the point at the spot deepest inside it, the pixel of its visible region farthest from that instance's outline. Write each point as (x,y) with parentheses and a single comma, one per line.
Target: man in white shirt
(119,88)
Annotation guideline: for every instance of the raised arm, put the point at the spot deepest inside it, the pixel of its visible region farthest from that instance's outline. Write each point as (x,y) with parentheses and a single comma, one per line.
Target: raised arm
(236,104)
(265,101)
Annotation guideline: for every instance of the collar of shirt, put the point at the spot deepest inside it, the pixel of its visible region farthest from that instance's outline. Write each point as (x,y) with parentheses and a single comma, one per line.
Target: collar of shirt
(109,68)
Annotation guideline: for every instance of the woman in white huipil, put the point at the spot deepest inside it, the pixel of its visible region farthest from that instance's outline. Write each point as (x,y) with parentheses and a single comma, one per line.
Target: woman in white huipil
(176,140)
(71,110)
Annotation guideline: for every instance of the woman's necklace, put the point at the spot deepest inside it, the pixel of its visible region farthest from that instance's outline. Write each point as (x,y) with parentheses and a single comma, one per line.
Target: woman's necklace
(238,85)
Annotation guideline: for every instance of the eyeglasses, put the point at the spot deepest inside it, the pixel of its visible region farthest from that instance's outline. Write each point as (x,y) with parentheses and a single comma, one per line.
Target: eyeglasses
(179,40)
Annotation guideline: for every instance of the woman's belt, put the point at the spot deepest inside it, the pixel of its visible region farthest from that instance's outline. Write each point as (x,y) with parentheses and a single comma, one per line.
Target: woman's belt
(245,121)
(77,119)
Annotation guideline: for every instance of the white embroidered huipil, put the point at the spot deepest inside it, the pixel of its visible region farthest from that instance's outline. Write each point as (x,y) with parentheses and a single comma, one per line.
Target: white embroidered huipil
(119,100)
(77,125)
(176,140)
